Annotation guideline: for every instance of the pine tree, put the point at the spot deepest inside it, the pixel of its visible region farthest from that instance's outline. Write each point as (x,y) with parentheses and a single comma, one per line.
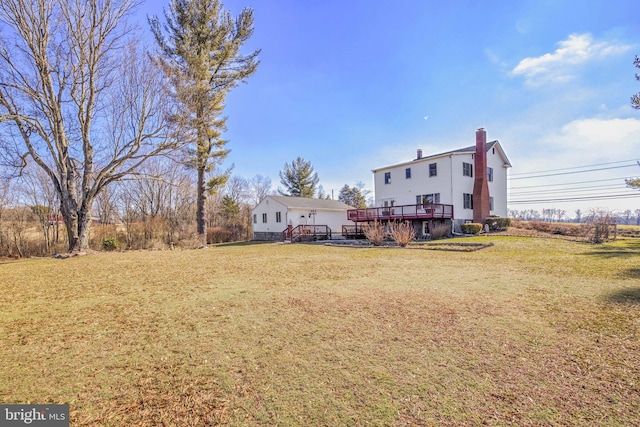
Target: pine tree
(201,59)
(299,179)
(352,196)
(635,99)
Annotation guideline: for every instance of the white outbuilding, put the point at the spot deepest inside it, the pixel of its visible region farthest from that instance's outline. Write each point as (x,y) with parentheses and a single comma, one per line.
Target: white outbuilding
(286,218)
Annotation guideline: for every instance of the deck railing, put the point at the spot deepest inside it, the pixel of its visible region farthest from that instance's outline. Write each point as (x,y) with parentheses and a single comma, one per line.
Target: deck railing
(402,212)
(307,233)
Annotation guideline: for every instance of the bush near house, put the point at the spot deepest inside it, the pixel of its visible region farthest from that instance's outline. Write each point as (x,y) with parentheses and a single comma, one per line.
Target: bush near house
(375,233)
(471,228)
(402,233)
(498,224)
(440,231)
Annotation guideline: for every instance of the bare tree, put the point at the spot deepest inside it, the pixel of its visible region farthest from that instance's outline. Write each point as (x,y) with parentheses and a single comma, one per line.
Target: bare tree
(78,98)
(105,206)
(238,189)
(259,188)
(44,203)
(5,204)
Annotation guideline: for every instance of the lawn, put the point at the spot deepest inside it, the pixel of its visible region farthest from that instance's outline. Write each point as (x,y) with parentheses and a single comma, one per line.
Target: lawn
(523,332)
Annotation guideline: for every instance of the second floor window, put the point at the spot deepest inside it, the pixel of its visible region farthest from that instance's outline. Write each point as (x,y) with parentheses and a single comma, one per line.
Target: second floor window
(264,217)
(387,177)
(490,174)
(433,169)
(407,173)
(278,216)
(467,169)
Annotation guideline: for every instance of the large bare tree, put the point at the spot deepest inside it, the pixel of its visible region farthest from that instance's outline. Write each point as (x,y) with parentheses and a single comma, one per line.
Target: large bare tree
(77,97)
(200,53)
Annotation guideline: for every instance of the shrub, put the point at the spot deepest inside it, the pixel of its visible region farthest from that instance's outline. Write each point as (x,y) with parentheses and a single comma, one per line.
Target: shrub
(402,233)
(375,233)
(498,224)
(110,243)
(440,230)
(471,228)
(219,235)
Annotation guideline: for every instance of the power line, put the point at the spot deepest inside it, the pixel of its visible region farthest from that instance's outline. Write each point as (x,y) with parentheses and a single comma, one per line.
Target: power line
(575,167)
(573,199)
(574,172)
(571,183)
(574,189)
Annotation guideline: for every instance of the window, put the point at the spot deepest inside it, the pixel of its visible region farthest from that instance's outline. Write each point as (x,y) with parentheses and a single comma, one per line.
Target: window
(387,177)
(467,169)
(490,203)
(468,201)
(425,199)
(278,216)
(389,202)
(433,169)
(255,218)
(490,174)
(264,217)
(407,173)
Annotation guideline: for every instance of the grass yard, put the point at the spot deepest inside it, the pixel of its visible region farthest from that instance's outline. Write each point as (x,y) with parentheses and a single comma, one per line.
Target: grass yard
(524,332)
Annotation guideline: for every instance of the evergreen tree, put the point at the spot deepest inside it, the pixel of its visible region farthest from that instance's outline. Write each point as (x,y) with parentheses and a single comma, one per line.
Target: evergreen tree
(635,99)
(230,209)
(352,196)
(299,179)
(201,59)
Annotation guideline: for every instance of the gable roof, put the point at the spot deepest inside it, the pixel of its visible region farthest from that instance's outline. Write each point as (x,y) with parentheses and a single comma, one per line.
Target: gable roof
(306,203)
(466,150)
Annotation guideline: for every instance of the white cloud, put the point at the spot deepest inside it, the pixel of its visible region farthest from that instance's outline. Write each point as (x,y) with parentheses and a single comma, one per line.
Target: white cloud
(559,66)
(579,143)
(565,158)
(614,139)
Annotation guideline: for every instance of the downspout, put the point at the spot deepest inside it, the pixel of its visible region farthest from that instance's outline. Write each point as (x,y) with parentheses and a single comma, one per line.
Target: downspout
(451,181)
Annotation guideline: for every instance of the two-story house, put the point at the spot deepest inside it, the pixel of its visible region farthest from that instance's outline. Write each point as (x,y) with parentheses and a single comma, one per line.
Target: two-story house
(463,185)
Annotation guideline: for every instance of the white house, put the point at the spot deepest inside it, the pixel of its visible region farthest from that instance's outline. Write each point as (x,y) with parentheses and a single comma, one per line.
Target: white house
(298,216)
(471,182)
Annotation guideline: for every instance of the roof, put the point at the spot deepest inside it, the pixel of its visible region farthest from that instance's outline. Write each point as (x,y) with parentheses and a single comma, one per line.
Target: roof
(306,203)
(467,150)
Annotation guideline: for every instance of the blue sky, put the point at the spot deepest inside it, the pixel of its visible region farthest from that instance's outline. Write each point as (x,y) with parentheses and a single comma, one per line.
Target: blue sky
(355,85)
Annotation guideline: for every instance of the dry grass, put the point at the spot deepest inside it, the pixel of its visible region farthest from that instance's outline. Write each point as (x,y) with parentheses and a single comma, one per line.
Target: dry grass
(525,332)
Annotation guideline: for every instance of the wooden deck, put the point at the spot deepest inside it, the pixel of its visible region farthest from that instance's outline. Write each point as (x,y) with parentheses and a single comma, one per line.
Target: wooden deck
(306,233)
(401,213)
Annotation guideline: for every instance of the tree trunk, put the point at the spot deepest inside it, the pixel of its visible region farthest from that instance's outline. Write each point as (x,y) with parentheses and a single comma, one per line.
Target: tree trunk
(201,215)
(77,223)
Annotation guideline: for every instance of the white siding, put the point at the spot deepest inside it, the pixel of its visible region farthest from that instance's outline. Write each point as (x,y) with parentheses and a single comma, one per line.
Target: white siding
(460,185)
(449,182)
(498,188)
(270,207)
(334,218)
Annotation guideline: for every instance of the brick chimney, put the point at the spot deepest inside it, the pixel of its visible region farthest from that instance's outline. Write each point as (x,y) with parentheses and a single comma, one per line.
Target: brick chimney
(419,153)
(480,184)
